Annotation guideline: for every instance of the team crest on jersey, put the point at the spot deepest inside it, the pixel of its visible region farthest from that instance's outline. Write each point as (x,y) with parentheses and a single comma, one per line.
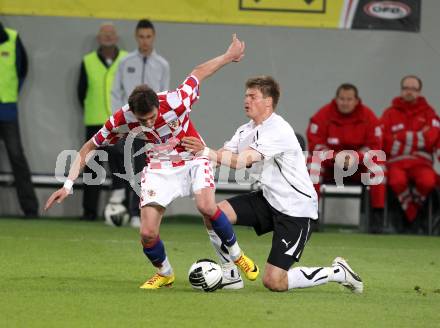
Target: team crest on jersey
(151,193)
(174,124)
(164,139)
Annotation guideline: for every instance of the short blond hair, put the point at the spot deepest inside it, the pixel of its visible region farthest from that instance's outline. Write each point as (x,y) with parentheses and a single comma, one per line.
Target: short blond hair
(267,86)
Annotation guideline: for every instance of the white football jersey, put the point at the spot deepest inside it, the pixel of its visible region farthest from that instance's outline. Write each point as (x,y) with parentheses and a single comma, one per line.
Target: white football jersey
(284,178)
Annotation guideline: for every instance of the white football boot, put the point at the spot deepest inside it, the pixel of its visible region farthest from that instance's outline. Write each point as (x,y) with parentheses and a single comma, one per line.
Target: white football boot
(352,279)
(231,277)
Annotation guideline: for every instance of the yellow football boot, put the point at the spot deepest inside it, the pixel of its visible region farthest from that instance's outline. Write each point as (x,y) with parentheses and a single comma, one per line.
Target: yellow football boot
(157,281)
(248,267)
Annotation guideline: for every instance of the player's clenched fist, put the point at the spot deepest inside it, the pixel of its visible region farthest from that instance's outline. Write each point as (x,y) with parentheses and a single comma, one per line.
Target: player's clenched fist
(236,49)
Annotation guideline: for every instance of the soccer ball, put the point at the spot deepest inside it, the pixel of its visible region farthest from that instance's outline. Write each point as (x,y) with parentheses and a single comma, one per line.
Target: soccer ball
(116,215)
(205,274)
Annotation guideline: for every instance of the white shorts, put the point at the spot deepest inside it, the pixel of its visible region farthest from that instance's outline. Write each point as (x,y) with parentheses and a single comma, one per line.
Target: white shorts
(162,186)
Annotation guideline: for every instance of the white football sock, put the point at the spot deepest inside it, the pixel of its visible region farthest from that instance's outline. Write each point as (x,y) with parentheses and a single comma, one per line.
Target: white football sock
(165,268)
(303,277)
(234,251)
(222,253)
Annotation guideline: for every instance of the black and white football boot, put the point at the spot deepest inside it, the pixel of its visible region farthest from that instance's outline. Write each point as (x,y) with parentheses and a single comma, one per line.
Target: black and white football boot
(352,279)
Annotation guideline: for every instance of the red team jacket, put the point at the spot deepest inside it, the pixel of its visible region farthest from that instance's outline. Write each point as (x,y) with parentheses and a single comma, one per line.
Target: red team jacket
(410,131)
(330,129)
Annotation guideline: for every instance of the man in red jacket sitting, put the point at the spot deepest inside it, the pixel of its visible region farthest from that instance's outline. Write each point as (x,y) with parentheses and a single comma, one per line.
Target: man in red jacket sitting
(410,130)
(343,138)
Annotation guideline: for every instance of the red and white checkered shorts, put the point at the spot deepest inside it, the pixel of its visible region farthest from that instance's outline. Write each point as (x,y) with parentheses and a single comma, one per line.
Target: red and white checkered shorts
(162,186)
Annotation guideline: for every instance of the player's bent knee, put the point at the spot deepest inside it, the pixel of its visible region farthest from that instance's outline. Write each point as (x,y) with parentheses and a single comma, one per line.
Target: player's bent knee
(207,209)
(274,284)
(224,205)
(148,236)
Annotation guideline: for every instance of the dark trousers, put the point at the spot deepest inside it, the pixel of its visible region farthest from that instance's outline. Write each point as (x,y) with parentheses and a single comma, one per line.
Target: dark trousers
(91,192)
(10,133)
(138,164)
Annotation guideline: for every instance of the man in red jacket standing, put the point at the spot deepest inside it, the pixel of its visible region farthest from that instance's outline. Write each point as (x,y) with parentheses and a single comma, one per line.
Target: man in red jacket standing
(342,136)
(411,128)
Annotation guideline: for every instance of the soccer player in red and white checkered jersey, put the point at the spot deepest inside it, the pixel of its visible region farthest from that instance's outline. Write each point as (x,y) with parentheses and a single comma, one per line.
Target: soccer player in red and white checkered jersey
(162,120)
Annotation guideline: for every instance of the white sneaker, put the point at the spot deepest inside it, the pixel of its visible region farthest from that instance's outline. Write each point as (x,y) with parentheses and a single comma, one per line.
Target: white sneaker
(231,277)
(135,222)
(352,279)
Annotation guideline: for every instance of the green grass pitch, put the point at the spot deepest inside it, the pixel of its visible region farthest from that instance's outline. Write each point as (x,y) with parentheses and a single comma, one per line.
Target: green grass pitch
(67,273)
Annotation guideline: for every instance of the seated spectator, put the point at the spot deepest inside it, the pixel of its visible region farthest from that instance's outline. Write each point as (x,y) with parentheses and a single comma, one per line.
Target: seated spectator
(410,130)
(341,136)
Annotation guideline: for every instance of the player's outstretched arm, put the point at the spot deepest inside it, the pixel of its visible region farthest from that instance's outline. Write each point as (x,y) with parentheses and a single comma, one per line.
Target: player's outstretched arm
(222,156)
(79,163)
(234,53)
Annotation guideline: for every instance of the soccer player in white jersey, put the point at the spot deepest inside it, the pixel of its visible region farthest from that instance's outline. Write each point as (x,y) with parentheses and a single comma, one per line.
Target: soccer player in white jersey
(287,202)
(162,120)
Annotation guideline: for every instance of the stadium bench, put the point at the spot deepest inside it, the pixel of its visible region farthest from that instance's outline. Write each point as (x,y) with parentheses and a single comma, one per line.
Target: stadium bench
(356,192)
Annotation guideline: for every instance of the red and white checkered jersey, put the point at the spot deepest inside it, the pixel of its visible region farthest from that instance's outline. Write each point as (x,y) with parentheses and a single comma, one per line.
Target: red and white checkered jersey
(162,144)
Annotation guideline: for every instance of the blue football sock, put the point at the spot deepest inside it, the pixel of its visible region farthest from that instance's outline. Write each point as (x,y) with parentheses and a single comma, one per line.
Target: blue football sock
(155,251)
(223,228)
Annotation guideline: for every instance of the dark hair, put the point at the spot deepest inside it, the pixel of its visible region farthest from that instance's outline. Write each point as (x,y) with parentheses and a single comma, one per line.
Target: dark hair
(267,86)
(411,77)
(348,86)
(145,23)
(143,100)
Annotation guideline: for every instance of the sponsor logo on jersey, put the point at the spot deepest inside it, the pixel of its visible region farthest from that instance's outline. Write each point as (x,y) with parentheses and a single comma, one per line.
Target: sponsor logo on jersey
(377,131)
(5,53)
(387,9)
(131,69)
(397,127)
(333,141)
